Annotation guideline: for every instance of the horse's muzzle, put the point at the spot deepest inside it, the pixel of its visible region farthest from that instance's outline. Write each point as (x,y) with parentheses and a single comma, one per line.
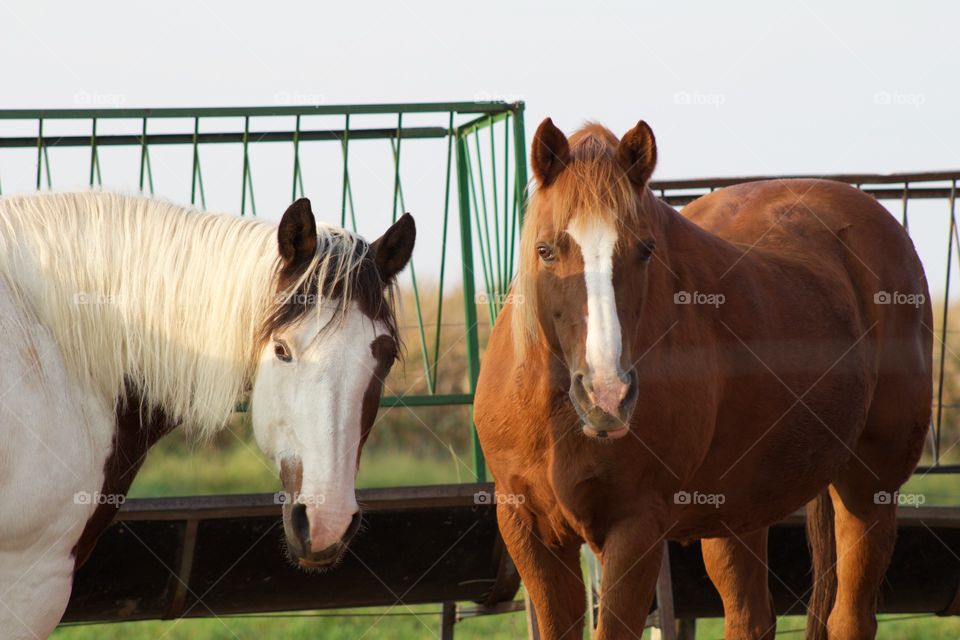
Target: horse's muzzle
(604,406)
(297,529)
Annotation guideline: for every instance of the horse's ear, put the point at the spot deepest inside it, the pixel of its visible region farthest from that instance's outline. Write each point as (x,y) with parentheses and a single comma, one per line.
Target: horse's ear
(297,236)
(637,153)
(550,152)
(391,252)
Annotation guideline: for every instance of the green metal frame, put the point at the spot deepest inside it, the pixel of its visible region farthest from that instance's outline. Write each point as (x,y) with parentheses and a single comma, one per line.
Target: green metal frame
(491,191)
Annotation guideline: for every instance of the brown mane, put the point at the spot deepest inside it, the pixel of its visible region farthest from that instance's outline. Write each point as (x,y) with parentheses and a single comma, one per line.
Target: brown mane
(592,184)
(342,271)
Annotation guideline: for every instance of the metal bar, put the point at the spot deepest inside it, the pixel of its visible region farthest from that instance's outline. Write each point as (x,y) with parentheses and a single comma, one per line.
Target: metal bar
(149,172)
(893,193)
(507,249)
(93,153)
(533,625)
(304,110)
(666,626)
(227,137)
(443,255)
(46,163)
(488,273)
(476,207)
(943,328)
(496,217)
(182,578)
(396,166)
(264,504)
(143,152)
(253,199)
(448,618)
(40,152)
(937,468)
(520,148)
(246,160)
(345,147)
(849,178)
(196,162)
(906,222)
(470,309)
(481,122)
(296,161)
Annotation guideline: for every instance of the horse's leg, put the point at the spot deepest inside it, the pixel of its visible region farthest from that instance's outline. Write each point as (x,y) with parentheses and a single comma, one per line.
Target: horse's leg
(864,494)
(737,565)
(864,499)
(865,534)
(632,550)
(551,575)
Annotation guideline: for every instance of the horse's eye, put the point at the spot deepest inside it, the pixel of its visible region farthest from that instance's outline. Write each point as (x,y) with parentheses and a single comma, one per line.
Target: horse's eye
(645,249)
(545,252)
(282,352)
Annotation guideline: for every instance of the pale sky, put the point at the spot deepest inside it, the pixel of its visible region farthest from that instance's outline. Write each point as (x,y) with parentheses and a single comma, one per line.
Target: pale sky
(729,88)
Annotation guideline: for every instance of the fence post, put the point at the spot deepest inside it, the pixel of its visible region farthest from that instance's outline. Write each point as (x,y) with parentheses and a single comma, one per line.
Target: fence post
(469,297)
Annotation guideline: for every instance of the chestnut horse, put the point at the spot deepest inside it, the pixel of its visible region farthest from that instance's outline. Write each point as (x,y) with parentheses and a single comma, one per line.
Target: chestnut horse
(661,376)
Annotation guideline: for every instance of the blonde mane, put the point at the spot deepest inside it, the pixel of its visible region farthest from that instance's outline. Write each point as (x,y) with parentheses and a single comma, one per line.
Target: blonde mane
(594,185)
(146,296)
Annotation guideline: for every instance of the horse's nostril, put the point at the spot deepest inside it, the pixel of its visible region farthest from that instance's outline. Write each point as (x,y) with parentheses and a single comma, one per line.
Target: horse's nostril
(300,522)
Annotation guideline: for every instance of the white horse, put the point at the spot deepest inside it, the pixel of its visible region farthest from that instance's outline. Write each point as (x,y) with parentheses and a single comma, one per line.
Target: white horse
(122,318)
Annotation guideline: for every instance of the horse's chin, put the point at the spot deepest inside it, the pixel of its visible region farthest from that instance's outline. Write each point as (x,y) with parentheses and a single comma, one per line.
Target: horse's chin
(311,565)
(604,434)
(316,565)
(597,424)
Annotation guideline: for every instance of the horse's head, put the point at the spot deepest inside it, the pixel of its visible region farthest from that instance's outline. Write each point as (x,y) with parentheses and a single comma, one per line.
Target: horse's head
(329,344)
(586,245)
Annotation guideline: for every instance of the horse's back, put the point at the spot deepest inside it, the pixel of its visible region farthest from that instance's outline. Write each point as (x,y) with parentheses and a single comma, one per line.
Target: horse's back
(823,228)
(861,254)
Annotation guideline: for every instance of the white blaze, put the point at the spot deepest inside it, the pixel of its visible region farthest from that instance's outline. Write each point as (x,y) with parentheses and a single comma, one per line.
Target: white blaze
(597,241)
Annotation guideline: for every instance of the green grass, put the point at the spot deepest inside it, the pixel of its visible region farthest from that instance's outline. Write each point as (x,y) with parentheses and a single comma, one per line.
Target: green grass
(368,624)
(891,627)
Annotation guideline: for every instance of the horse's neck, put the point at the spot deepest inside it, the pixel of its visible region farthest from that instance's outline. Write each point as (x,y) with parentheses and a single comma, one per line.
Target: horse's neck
(144,294)
(686,247)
